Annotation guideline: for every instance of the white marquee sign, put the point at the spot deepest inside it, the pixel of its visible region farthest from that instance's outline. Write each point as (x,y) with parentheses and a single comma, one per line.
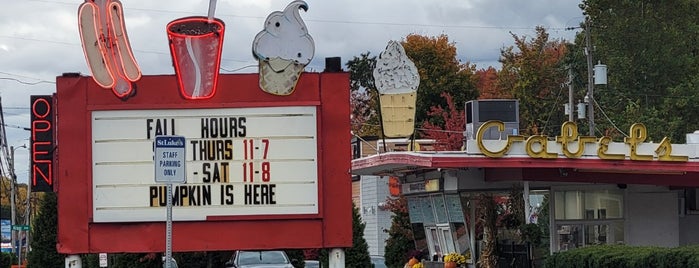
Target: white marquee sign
(239,161)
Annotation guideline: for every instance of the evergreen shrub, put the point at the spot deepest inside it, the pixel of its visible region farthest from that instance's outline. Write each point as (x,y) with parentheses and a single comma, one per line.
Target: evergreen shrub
(623,256)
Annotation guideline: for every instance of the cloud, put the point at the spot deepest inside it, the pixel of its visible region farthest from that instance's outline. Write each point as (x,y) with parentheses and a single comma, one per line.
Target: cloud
(39,40)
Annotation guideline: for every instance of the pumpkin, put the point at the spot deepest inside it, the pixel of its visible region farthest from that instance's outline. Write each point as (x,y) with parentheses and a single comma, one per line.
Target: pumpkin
(412,262)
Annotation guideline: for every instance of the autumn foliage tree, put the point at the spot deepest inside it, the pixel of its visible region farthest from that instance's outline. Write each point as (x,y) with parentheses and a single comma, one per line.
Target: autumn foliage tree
(488,85)
(533,72)
(448,137)
(440,71)
(363,96)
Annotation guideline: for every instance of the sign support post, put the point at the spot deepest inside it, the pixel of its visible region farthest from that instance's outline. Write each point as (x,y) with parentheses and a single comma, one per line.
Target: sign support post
(168,228)
(169,167)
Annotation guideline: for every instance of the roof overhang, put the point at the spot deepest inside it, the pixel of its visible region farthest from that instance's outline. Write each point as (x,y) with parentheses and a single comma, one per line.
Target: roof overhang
(586,169)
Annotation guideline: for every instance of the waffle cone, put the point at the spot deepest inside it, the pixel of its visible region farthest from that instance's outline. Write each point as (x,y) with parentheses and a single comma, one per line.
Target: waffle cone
(282,82)
(398,114)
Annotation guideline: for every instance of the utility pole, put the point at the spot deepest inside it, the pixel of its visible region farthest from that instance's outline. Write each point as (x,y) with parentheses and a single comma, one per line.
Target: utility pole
(590,82)
(13,207)
(28,211)
(570,94)
(13,195)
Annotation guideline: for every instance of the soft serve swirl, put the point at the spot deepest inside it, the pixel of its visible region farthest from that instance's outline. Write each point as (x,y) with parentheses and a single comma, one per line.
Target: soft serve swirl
(285,36)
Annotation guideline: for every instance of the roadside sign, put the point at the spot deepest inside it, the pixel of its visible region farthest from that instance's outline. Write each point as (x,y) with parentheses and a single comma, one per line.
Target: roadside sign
(103,259)
(170,159)
(20,227)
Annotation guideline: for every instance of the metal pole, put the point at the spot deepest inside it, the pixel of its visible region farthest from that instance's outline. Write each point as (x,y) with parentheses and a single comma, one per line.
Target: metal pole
(337,258)
(73,261)
(168,228)
(570,95)
(525,196)
(19,248)
(590,82)
(13,193)
(27,213)
(13,180)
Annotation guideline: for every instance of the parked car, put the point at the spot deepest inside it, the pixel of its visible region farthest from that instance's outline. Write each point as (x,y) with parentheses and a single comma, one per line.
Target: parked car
(378,262)
(259,259)
(312,264)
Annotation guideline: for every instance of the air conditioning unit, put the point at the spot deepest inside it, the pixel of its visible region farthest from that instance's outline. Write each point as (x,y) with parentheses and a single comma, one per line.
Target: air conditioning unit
(481,111)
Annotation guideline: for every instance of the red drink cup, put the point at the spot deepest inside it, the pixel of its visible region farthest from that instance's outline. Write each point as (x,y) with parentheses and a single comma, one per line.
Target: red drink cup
(195,47)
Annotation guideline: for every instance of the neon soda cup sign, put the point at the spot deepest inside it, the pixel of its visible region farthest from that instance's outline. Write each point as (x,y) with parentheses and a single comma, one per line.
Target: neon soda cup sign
(195,47)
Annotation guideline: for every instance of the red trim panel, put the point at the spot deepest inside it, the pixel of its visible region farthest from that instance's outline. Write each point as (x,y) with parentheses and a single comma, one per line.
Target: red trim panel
(575,170)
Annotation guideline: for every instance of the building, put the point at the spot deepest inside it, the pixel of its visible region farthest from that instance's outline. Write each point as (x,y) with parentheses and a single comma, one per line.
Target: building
(600,191)
(369,193)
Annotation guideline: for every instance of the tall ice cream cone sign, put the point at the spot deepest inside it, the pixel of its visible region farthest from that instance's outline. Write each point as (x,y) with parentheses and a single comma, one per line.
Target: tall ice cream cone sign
(283,49)
(397,80)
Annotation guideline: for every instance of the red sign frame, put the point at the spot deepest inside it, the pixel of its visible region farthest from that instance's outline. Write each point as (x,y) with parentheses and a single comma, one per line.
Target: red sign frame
(78,96)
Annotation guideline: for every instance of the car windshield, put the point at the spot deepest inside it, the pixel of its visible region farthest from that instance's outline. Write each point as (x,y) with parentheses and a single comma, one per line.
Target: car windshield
(261,257)
(378,262)
(312,264)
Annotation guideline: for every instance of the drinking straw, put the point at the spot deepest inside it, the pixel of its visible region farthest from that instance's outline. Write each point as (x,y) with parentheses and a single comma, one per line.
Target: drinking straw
(212,9)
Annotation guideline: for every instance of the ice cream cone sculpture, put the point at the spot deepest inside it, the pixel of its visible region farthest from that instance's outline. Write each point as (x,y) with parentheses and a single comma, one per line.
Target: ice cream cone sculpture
(397,80)
(283,49)
(106,46)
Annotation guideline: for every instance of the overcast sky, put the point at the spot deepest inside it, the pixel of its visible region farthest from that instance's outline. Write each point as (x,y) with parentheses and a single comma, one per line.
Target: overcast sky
(39,39)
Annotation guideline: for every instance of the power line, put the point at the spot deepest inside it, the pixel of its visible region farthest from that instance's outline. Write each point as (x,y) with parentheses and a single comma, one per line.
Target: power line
(26,83)
(76,44)
(238,69)
(16,126)
(338,21)
(609,119)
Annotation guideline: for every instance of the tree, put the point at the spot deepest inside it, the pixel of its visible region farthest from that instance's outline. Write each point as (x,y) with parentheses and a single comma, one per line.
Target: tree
(43,235)
(533,73)
(650,48)
(6,209)
(488,85)
(363,96)
(358,255)
(448,137)
(440,71)
(400,243)
(295,255)
(487,215)
(680,103)
(137,260)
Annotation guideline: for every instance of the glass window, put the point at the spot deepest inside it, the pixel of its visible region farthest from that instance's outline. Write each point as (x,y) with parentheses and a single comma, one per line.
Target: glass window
(415,210)
(261,257)
(448,240)
(589,205)
(569,236)
(456,214)
(433,239)
(592,217)
(440,208)
(427,211)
